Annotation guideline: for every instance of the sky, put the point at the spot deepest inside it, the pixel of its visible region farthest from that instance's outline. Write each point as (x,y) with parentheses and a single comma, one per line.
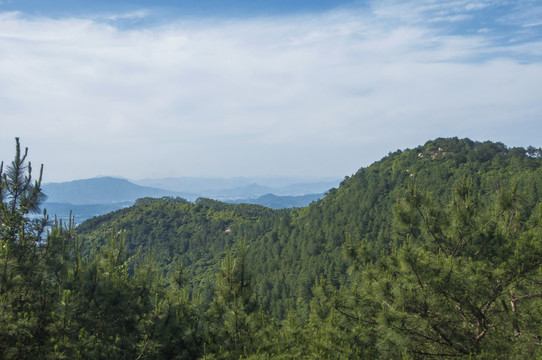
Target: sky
(153,89)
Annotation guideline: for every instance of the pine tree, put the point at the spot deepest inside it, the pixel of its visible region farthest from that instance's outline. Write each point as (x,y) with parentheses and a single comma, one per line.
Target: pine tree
(451,286)
(234,320)
(24,287)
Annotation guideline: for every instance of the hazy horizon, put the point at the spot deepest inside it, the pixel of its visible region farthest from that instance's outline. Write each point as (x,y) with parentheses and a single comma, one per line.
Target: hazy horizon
(288,179)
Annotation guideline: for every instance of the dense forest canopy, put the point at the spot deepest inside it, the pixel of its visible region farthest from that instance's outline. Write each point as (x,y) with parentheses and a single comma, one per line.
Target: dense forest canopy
(432,252)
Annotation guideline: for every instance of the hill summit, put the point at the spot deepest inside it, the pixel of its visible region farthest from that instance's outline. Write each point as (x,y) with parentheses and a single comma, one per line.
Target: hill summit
(290,249)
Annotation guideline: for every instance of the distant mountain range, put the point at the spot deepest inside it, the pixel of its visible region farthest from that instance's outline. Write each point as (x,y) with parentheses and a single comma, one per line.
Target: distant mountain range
(102,190)
(242,187)
(96,196)
(281,202)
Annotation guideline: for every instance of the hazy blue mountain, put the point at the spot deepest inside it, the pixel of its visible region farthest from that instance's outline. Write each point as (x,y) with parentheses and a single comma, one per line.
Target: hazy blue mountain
(243,187)
(101,190)
(281,202)
(87,198)
(244,192)
(196,184)
(300,189)
(81,213)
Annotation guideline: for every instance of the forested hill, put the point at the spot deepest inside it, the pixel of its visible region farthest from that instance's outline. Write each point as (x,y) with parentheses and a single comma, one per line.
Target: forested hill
(362,207)
(429,253)
(290,249)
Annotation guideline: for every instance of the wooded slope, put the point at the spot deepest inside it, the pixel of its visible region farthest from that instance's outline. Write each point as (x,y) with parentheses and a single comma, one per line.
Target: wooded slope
(290,249)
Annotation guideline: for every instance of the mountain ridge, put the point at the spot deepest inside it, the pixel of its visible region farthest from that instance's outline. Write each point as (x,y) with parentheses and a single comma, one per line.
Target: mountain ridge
(430,252)
(291,248)
(100,190)
(86,198)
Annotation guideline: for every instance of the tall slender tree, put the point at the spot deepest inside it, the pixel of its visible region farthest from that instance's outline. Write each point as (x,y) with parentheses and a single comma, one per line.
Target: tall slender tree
(234,318)
(23,286)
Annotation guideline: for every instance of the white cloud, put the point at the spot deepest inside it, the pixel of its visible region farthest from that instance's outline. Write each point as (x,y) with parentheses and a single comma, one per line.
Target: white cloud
(533,24)
(137,14)
(472,6)
(302,95)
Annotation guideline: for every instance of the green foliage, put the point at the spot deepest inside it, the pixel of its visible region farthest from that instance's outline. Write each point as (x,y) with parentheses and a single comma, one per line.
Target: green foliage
(58,302)
(451,285)
(291,248)
(178,232)
(235,324)
(23,286)
(429,253)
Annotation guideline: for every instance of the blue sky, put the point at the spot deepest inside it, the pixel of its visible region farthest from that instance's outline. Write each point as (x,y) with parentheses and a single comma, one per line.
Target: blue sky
(177,8)
(261,88)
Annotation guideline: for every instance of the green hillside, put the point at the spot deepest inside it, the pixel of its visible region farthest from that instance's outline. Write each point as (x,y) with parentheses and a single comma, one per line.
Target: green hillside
(433,252)
(290,249)
(176,231)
